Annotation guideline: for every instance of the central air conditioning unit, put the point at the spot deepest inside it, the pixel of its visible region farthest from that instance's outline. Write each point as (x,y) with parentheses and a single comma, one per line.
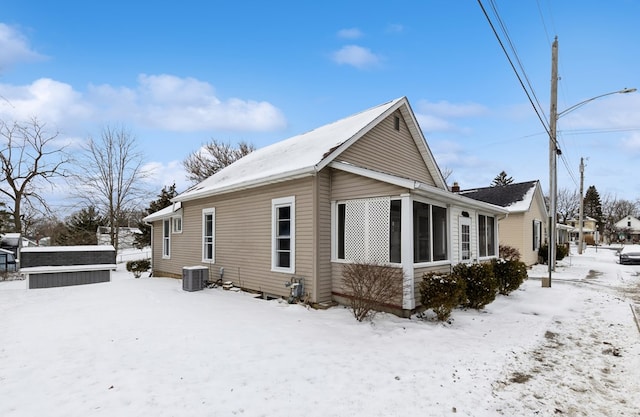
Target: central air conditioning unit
(194,277)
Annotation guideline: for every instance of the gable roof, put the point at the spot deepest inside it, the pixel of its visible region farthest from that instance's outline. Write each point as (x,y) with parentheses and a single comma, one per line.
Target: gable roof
(516,198)
(308,153)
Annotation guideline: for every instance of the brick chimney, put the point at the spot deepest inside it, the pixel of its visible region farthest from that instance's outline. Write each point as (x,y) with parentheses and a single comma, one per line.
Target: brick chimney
(455,188)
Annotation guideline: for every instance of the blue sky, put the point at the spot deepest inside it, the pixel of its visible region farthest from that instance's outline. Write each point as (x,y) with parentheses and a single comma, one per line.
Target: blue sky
(180,73)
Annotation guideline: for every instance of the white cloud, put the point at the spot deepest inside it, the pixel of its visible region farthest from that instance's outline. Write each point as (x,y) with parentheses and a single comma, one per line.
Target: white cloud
(49,100)
(14,48)
(352,33)
(158,101)
(356,56)
(160,175)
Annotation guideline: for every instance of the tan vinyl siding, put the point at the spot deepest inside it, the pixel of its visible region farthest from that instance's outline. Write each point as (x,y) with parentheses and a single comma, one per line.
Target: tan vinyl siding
(323,262)
(387,150)
(517,231)
(243,232)
(346,186)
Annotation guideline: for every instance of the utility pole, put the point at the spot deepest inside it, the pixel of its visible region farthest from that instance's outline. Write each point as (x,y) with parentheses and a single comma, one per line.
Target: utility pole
(553,152)
(581,215)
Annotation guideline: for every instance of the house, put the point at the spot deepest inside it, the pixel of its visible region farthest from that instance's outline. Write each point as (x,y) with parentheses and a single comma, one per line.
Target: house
(12,242)
(525,227)
(589,229)
(363,189)
(126,236)
(627,229)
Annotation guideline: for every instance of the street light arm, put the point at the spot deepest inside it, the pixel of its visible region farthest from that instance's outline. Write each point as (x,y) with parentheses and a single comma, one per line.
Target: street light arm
(582,103)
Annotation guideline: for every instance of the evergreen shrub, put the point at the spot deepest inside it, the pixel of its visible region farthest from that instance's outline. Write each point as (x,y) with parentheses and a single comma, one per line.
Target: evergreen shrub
(480,283)
(561,252)
(441,293)
(509,274)
(138,266)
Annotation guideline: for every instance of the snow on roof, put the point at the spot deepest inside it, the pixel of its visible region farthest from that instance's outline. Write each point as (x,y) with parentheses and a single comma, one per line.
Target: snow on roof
(164,213)
(297,156)
(78,248)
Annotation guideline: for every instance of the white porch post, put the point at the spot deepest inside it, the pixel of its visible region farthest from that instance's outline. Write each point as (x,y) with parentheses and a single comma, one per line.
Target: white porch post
(406,248)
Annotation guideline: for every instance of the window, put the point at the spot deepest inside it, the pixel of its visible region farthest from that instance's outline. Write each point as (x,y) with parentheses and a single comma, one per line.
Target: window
(486,235)
(395,222)
(166,238)
(177,224)
(208,235)
(429,232)
(537,234)
(396,123)
(283,234)
(465,238)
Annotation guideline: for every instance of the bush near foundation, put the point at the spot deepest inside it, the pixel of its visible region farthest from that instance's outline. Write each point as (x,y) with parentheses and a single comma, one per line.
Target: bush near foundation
(509,253)
(480,283)
(561,252)
(138,267)
(441,292)
(371,286)
(510,274)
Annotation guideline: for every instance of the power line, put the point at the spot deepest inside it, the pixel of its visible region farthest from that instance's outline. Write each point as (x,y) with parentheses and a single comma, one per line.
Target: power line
(513,67)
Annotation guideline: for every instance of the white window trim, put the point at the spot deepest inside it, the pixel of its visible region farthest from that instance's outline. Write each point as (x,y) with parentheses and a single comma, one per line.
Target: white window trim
(212,212)
(167,254)
(174,229)
(495,236)
(275,204)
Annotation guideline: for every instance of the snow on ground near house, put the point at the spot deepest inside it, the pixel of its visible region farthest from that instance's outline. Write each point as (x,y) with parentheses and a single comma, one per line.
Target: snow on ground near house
(145,347)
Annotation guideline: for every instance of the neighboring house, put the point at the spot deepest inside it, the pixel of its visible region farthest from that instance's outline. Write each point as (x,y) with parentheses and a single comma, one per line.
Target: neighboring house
(126,236)
(589,229)
(628,230)
(363,189)
(525,227)
(11,242)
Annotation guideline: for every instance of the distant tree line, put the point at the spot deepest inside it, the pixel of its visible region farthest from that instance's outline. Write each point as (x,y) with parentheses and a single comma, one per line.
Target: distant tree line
(106,180)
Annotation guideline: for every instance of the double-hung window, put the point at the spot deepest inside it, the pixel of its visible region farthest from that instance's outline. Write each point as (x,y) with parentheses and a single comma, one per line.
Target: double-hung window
(208,234)
(486,235)
(166,238)
(283,242)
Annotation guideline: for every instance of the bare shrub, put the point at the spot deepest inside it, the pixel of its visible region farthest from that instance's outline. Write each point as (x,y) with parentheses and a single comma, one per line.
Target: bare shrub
(370,286)
(509,253)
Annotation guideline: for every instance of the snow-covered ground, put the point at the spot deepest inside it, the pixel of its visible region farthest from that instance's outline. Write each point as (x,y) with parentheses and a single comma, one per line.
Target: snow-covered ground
(145,347)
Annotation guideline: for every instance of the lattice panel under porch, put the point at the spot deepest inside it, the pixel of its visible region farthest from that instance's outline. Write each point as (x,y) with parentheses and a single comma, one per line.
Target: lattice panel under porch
(367,230)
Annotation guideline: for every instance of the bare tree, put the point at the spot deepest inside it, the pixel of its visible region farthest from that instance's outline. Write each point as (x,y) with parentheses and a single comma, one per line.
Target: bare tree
(29,158)
(568,204)
(212,157)
(110,177)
